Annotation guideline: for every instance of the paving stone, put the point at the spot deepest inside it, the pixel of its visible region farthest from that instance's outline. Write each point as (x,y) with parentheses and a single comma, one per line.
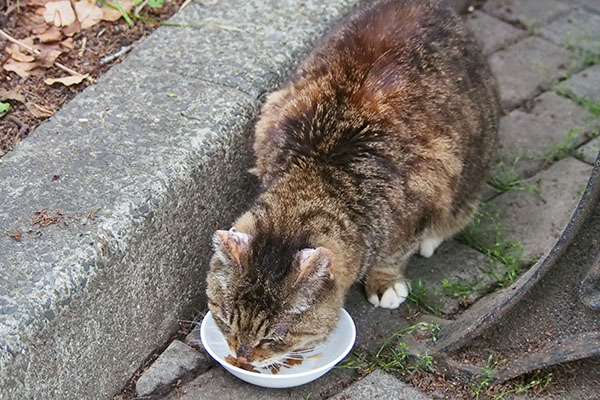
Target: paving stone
(536,218)
(528,138)
(176,362)
(379,385)
(492,33)
(589,152)
(585,84)
(593,5)
(579,29)
(458,265)
(528,13)
(526,68)
(217,383)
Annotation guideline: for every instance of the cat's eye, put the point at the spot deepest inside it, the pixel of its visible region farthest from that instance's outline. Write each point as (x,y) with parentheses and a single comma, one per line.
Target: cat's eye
(266,341)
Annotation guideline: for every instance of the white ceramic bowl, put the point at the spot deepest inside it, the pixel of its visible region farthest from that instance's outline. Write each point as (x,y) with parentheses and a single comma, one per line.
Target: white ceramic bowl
(314,365)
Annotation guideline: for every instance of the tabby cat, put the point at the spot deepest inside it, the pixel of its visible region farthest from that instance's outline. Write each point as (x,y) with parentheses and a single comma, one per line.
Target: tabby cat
(375,149)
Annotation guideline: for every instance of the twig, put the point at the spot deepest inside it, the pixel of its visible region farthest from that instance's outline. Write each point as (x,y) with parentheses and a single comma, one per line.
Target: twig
(37,52)
(139,8)
(185,4)
(83,46)
(116,55)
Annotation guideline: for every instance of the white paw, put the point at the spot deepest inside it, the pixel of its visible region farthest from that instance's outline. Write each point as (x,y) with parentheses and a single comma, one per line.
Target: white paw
(428,245)
(374,299)
(392,297)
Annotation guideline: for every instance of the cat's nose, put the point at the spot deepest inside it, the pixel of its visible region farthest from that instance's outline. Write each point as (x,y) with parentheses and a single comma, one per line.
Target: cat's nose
(244,351)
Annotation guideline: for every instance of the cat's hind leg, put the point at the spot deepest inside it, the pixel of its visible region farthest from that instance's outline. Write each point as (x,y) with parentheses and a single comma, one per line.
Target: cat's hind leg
(386,286)
(429,243)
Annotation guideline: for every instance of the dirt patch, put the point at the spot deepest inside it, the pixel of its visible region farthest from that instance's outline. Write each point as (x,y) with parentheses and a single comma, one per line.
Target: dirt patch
(32,100)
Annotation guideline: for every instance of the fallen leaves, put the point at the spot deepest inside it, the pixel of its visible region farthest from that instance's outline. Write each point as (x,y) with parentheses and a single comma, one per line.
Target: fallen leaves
(55,22)
(67,80)
(43,219)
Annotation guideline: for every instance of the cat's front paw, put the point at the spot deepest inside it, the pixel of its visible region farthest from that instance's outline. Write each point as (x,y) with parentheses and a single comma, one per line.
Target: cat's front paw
(391,297)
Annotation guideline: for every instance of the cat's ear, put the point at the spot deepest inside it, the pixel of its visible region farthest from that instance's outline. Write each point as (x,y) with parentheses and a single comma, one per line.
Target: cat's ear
(234,243)
(314,265)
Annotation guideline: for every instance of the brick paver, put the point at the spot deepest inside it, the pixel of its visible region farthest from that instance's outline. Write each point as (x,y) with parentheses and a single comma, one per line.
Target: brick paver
(526,68)
(530,138)
(527,12)
(491,32)
(578,29)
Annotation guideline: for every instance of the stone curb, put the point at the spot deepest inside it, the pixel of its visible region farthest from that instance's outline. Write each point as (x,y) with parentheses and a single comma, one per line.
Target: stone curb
(149,162)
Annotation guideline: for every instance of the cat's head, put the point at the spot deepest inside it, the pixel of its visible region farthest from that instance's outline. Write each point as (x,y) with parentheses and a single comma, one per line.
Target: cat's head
(270,296)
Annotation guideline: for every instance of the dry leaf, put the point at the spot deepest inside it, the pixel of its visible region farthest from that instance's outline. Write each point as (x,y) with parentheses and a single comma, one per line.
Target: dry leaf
(47,57)
(36,29)
(88,13)
(38,111)
(34,2)
(52,34)
(20,68)
(59,13)
(71,29)
(68,44)
(16,54)
(11,95)
(109,14)
(67,81)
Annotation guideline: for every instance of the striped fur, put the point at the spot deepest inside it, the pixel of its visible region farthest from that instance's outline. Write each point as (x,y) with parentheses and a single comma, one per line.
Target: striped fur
(382,138)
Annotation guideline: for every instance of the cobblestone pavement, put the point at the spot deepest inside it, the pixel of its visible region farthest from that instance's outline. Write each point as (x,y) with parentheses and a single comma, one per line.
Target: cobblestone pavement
(542,53)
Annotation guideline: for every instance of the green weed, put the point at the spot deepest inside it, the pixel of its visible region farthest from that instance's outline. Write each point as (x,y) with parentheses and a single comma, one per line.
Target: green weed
(458,289)
(394,355)
(4,107)
(563,90)
(580,48)
(534,384)
(505,178)
(478,388)
(420,296)
(504,254)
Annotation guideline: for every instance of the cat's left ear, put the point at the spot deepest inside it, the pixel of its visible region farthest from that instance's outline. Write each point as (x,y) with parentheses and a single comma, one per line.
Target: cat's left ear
(314,265)
(235,243)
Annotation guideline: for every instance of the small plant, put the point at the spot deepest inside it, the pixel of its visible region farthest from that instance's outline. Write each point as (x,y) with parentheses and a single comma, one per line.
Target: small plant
(563,90)
(4,107)
(502,252)
(581,49)
(537,384)
(533,30)
(458,289)
(420,296)
(394,355)
(563,148)
(493,362)
(505,178)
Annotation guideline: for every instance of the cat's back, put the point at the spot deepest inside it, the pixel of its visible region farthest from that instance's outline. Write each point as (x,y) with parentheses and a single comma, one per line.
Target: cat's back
(407,68)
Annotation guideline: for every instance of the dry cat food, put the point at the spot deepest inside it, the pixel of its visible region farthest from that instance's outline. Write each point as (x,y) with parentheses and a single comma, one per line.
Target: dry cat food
(240,363)
(274,368)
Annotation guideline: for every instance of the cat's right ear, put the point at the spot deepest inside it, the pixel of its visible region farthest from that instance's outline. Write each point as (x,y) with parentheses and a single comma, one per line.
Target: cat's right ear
(233,243)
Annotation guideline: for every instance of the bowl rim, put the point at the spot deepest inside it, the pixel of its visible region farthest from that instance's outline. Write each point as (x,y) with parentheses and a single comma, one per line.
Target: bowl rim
(326,367)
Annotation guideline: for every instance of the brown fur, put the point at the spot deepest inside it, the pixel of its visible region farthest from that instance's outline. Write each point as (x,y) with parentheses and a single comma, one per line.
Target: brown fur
(383,136)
